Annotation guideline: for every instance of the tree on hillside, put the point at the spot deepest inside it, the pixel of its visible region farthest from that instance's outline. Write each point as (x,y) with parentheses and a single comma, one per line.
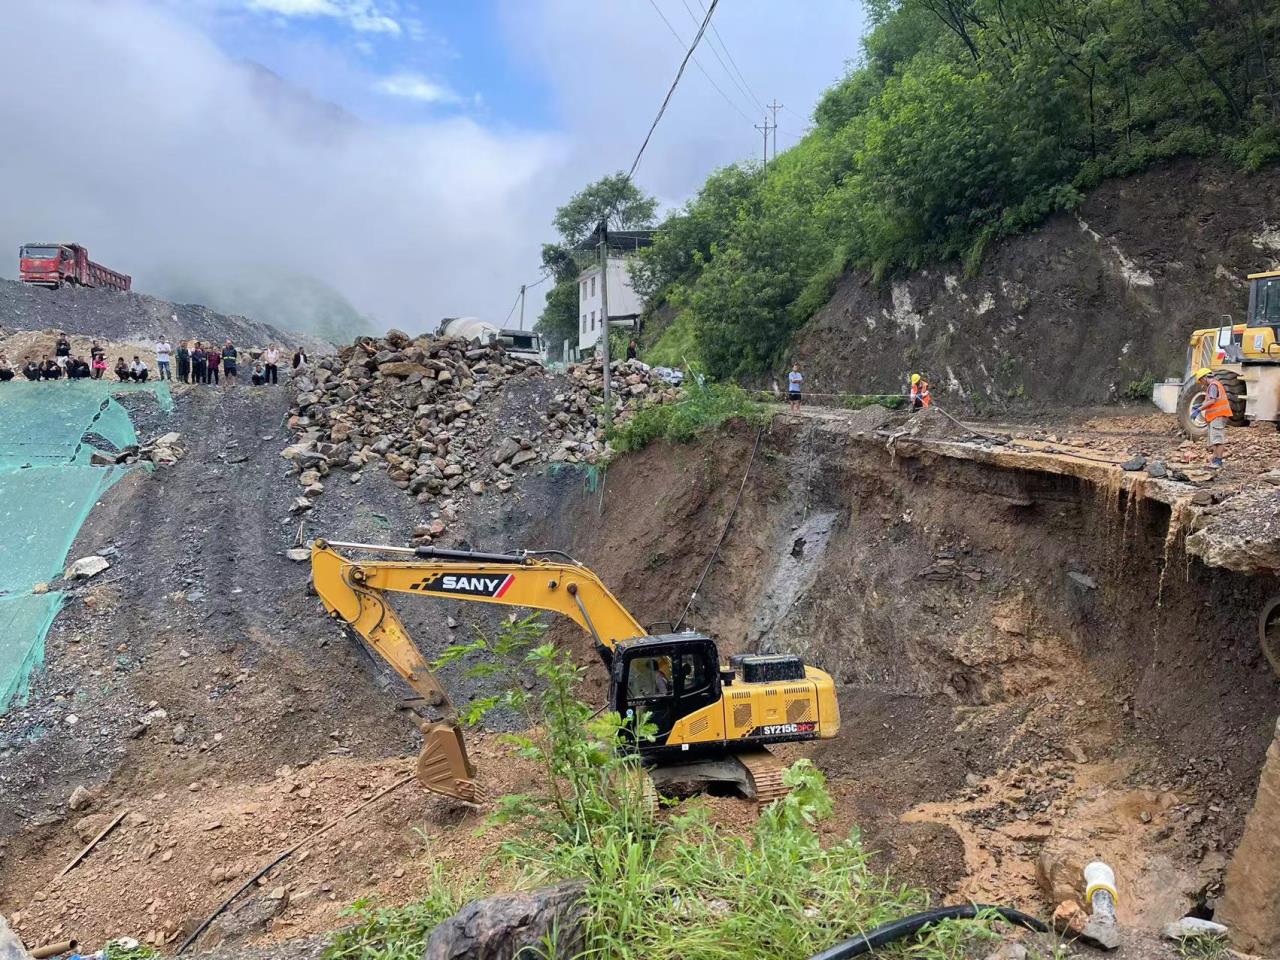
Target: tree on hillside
(614,197)
(964,121)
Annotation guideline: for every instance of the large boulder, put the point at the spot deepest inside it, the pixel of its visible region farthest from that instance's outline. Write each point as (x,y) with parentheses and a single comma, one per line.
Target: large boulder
(11,947)
(512,925)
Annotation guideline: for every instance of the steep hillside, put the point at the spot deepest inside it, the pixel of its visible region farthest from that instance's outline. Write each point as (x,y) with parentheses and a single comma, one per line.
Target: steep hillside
(1074,311)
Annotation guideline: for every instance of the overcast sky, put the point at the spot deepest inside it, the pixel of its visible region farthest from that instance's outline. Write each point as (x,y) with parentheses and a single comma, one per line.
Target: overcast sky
(408,154)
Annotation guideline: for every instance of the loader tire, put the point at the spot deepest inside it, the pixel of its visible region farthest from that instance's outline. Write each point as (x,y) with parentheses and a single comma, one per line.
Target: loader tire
(1235,388)
(1192,395)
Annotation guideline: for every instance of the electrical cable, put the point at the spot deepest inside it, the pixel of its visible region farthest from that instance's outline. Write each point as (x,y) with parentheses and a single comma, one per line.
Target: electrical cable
(867,942)
(697,37)
(696,62)
(515,304)
(711,43)
(716,33)
(280,858)
(727,524)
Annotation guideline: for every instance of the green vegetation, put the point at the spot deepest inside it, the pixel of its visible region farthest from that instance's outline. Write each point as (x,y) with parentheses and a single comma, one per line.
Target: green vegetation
(665,887)
(129,950)
(1203,948)
(1141,388)
(704,406)
(615,197)
(398,933)
(963,121)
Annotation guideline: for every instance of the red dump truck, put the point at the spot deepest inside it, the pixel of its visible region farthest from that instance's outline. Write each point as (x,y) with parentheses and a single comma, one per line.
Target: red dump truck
(61,264)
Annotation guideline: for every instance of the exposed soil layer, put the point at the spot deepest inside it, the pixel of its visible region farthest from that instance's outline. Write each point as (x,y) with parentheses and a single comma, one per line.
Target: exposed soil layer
(1074,311)
(1031,673)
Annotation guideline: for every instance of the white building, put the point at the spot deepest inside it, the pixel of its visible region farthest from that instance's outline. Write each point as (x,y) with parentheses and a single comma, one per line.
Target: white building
(624,303)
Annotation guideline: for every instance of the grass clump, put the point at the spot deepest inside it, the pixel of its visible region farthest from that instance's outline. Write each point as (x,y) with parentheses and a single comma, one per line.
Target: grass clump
(703,406)
(398,933)
(661,886)
(127,948)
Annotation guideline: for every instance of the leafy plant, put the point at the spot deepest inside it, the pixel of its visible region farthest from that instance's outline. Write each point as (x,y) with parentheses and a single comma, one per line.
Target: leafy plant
(129,949)
(1140,389)
(704,406)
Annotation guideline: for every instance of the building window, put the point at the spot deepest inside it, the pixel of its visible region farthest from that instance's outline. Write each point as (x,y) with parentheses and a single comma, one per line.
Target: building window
(584,289)
(593,319)
(593,286)
(584,323)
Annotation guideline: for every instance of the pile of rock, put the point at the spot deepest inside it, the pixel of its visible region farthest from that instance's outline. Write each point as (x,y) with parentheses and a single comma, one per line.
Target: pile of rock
(163,451)
(445,416)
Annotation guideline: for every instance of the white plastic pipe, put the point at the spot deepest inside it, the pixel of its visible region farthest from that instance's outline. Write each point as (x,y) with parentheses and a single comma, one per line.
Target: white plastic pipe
(1100,891)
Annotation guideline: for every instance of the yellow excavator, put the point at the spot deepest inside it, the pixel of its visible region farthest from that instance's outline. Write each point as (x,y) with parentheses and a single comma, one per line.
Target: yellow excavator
(1245,357)
(713,720)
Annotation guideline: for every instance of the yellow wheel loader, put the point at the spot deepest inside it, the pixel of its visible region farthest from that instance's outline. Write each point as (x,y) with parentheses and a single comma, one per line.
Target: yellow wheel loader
(713,720)
(1245,357)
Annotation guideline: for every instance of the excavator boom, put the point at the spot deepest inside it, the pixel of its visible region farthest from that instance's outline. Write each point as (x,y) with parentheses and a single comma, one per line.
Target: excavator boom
(353,592)
(677,680)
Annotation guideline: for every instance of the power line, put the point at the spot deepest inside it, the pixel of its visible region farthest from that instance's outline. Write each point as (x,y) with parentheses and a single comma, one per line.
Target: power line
(697,63)
(514,304)
(716,33)
(729,73)
(697,37)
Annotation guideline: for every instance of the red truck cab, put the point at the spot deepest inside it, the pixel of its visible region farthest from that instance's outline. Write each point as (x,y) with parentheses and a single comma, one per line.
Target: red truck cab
(61,264)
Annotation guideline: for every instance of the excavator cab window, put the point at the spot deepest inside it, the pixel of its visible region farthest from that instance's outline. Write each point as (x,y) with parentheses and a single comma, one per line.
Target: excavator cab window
(667,681)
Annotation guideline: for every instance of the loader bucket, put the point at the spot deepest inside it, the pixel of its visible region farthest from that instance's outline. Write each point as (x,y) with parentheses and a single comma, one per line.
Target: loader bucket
(443,764)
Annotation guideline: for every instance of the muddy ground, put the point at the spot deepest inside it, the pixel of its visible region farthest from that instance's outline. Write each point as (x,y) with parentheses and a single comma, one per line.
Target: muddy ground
(1032,674)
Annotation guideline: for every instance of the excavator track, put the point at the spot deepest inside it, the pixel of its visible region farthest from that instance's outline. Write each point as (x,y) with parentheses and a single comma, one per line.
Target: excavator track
(764,774)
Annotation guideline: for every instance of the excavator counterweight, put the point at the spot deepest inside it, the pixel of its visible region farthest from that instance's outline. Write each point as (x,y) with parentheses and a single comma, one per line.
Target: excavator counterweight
(712,720)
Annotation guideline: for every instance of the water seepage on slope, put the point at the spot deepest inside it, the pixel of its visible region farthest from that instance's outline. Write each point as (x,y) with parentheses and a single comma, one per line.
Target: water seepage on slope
(47,488)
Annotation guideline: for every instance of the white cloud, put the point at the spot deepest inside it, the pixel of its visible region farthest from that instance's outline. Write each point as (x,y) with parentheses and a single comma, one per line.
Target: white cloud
(411,86)
(791,51)
(361,15)
(191,163)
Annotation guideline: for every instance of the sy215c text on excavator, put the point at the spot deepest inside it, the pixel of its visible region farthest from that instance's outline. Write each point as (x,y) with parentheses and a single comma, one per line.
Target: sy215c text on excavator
(713,720)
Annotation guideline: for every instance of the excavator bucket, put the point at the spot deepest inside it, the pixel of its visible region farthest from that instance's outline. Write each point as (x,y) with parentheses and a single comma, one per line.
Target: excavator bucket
(443,764)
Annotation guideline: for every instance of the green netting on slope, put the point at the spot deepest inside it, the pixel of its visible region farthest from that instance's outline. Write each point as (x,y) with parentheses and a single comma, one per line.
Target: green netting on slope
(41,510)
(44,422)
(47,489)
(24,623)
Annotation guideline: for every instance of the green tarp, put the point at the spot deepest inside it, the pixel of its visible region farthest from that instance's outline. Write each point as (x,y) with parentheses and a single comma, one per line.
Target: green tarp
(47,489)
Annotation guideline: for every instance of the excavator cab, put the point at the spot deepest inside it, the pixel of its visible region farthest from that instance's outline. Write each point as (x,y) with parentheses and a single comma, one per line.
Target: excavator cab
(667,678)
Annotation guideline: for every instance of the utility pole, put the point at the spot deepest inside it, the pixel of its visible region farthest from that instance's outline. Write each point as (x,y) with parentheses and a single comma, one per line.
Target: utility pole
(522,306)
(775,107)
(604,312)
(764,129)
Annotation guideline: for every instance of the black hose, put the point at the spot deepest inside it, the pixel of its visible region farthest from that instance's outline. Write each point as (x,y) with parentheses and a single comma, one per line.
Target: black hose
(907,926)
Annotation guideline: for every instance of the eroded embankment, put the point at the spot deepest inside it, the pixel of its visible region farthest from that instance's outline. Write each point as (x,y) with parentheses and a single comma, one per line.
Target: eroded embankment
(1034,671)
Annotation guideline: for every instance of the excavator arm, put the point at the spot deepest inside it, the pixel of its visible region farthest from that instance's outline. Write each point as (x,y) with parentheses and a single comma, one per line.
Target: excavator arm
(354,592)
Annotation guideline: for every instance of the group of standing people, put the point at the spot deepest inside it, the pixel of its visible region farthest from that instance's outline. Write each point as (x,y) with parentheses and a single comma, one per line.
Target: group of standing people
(213,365)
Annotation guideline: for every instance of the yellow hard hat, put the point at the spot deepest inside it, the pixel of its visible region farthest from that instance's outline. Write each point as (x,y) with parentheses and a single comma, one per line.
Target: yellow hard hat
(915,378)
(1203,372)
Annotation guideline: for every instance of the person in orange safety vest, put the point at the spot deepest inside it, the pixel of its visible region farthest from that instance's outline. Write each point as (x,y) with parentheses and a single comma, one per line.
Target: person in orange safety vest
(1216,410)
(920,392)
